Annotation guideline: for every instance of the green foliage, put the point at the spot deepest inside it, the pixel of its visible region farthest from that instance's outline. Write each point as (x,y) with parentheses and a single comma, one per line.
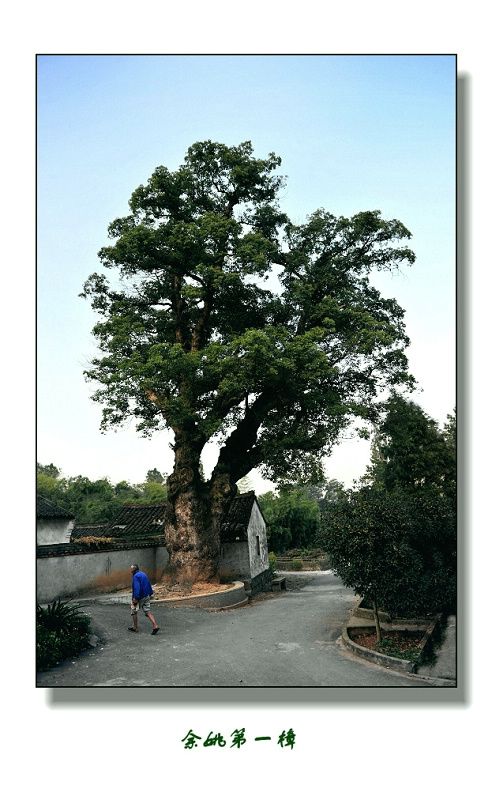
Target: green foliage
(154,476)
(394,541)
(62,631)
(409,452)
(97,501)
(396,549)
(392,647)
(291,516)
(296,564)
(272,563)
(199,344)
(49,470)
(152,492)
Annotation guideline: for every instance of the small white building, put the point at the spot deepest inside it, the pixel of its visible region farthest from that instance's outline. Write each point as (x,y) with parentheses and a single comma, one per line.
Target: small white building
(53,524)
(244,546)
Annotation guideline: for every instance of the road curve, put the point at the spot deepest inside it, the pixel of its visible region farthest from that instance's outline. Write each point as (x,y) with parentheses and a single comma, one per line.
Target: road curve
(289,640)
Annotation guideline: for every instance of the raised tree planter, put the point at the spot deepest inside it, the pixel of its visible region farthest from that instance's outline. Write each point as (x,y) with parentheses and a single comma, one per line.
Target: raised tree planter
(224,599)
(350,633)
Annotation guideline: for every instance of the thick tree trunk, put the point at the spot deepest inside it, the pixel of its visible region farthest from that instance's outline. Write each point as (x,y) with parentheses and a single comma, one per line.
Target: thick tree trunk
(194,513)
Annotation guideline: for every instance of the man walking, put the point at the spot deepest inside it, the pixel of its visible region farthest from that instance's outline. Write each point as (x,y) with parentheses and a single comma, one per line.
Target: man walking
(141,593)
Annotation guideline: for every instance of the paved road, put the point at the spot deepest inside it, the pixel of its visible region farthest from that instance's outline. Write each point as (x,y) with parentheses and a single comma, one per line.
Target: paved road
(287,641)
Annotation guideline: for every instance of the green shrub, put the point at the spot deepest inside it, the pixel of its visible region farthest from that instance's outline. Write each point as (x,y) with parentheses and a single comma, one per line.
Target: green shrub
(62,631)
(296,564)
(272,562)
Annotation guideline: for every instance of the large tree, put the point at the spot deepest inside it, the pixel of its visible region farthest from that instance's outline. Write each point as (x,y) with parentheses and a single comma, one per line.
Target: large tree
(194,340)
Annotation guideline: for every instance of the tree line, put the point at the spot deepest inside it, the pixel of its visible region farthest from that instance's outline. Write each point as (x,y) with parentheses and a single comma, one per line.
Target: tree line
(94,502)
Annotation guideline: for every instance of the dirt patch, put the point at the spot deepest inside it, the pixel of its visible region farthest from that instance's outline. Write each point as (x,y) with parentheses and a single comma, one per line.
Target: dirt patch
(406,645)
(163,592)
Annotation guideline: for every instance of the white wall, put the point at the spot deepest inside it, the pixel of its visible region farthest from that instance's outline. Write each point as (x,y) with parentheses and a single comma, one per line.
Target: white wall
(242,557)
(257,535)
(54,530)
(234,558)
(95,572)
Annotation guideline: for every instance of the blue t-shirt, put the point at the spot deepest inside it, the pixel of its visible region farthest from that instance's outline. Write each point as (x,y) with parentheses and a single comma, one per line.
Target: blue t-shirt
(141,586)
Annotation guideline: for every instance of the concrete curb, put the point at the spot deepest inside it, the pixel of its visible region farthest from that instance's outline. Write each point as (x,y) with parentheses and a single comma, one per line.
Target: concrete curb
(215,601)
(427,630)
(377,658)
(227,599)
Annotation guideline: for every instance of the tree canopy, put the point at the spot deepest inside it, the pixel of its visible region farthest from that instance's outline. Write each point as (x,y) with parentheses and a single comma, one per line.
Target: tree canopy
(394,540)
(394,548)
(411,453)
(232,324)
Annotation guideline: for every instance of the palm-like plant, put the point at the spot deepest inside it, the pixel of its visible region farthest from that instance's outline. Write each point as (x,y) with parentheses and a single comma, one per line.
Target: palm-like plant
(62,631)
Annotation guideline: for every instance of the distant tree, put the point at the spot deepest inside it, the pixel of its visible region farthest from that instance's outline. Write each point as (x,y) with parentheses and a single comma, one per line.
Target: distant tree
(125,492)
(153,492)
(450,438)
(409,451)
(91,501)
(245,485)
(375,474)
(292,518)
(279,534)
(192,339)
(332,492)
(450,430)
(50,470)
(53,489)
(154,476)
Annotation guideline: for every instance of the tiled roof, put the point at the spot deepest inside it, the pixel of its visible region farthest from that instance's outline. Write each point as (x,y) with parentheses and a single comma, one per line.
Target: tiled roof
(237,520)
(88,530)
(137,520)
(47,510)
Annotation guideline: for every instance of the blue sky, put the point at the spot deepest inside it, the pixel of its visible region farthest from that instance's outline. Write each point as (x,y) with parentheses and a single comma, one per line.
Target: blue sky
(354,133)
